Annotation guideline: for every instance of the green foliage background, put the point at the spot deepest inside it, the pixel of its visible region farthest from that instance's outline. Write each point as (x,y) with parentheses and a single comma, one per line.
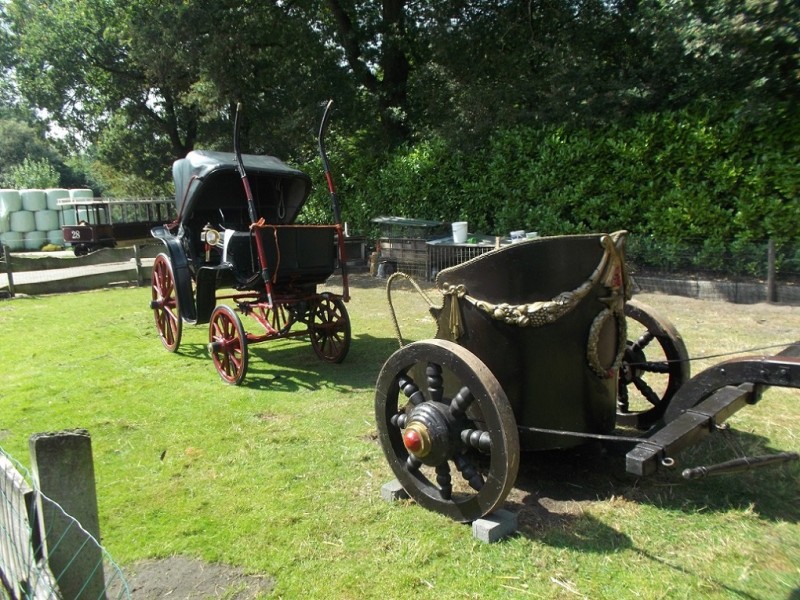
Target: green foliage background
(672,178)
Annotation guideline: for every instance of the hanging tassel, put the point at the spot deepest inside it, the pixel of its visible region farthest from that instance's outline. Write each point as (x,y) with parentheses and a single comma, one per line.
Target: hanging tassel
(455,292)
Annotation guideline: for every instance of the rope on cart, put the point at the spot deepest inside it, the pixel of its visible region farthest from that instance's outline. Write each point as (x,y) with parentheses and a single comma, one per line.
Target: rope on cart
(392,312)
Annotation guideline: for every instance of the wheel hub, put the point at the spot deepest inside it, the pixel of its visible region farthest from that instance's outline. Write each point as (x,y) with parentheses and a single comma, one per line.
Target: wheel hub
(429,433)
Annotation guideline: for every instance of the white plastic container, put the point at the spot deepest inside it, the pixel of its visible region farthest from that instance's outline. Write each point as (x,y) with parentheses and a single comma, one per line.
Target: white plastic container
(459,232)
(517,236)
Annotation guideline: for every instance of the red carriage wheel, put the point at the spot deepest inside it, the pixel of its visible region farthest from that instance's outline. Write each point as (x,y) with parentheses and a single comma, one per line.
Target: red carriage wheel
(442,416)
(654,367)
(165,303)
(227,344)
(329,328)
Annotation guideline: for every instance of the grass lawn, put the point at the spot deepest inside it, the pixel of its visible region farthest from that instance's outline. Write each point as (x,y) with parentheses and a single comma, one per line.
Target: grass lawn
(282,476)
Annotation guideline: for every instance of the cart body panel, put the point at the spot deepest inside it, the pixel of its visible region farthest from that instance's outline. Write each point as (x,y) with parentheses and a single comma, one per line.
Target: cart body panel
(545,367)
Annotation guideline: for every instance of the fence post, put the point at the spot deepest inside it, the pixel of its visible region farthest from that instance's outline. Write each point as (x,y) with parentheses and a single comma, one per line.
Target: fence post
(7,259)
(138,260)
(772,288)
(62,466)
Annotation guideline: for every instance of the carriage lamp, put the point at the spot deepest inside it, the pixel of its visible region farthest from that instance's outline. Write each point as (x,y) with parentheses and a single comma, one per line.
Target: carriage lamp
(211,237)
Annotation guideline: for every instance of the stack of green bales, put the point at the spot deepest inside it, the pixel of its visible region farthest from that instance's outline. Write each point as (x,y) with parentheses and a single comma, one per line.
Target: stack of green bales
(32,218)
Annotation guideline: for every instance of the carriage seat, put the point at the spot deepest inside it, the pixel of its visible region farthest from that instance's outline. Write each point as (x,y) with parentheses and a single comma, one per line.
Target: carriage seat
(295,254)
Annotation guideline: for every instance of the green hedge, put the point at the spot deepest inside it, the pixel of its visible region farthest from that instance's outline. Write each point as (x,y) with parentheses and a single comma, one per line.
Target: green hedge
(672,178)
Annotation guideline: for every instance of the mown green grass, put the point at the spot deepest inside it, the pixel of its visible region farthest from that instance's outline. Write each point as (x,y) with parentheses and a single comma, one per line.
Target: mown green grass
(282,475)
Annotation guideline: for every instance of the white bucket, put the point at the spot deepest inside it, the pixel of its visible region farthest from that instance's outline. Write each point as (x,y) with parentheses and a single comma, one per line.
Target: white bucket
(459,232)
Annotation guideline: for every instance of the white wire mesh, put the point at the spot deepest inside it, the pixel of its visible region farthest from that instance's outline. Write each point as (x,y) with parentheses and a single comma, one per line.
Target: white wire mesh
(24,569)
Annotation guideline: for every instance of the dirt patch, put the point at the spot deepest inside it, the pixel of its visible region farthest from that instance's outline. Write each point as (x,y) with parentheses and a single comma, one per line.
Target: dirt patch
(182,578)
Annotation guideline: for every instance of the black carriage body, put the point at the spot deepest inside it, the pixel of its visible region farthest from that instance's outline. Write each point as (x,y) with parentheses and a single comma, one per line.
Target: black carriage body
(546,316)
(210,194)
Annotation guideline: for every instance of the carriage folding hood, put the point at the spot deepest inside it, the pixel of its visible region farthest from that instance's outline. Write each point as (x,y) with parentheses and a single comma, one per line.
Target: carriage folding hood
(203,178)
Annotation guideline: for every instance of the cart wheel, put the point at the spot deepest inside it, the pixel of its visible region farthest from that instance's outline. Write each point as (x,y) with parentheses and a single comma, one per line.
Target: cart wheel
(165,303)
(453,414)
(227,344)
(329,327)
(650,373)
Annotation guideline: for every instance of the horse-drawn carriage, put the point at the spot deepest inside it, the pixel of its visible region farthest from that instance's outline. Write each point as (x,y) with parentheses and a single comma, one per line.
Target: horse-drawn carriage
(236,249)
(531,353)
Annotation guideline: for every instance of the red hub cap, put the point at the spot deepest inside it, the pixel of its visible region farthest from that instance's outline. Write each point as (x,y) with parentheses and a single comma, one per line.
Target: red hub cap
(416,439)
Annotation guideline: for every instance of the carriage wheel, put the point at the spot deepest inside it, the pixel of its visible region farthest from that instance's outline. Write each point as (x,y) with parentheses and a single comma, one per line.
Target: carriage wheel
(227,344)
(452,414)
(329,327)
(654,366)
(165,303)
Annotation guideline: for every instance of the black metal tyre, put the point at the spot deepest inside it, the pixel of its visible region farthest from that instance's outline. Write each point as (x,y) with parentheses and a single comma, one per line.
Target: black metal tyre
(329,328)
(164,302)
(227,344)
(452,412)
(654,367)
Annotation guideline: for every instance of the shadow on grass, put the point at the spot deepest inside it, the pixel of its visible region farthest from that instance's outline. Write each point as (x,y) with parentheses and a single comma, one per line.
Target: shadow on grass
(291,365)
(552,487)
(553,491)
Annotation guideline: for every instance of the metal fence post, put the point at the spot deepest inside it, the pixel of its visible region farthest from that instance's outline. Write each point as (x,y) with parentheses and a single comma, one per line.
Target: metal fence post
(63,468)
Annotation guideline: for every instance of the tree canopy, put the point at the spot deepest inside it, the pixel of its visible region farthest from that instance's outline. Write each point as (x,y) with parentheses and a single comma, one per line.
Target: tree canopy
(136,84)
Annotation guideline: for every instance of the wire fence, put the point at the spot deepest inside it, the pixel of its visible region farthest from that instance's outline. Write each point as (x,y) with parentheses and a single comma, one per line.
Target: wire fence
(736,260)
(34,531)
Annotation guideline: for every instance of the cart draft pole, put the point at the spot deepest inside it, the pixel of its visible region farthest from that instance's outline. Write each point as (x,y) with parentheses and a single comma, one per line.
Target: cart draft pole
(337,216)
(251,208)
